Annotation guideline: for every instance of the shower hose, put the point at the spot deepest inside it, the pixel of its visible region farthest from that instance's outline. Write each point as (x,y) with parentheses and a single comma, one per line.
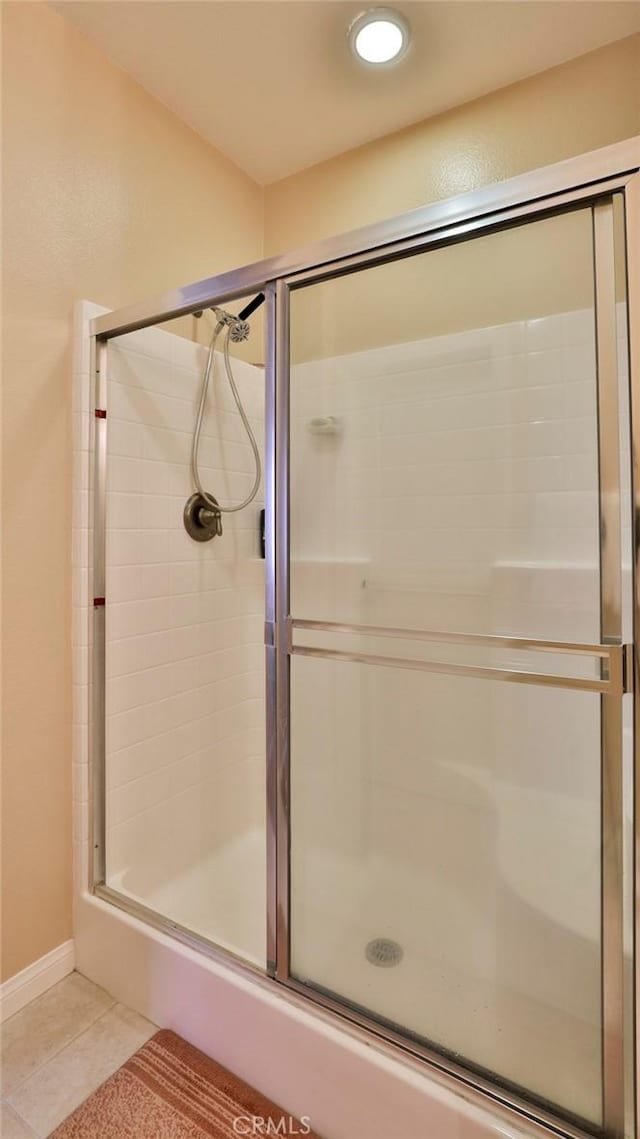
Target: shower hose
(236,330)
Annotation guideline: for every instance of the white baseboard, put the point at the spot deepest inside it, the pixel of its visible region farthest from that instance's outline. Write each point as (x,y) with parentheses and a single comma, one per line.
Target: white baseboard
(31,982)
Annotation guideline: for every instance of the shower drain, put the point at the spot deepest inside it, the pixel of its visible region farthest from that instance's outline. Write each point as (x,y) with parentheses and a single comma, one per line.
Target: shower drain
(384,952)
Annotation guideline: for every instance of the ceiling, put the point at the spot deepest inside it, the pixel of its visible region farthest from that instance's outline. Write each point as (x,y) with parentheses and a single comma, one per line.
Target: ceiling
(271,83)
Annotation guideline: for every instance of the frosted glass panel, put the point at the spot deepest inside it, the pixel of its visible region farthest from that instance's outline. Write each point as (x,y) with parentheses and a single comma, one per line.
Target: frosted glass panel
(444,439)
(452,817)
(446,829)
(185,756)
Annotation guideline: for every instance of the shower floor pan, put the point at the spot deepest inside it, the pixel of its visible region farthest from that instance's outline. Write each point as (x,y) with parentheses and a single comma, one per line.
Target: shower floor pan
(431,990)
(220,898)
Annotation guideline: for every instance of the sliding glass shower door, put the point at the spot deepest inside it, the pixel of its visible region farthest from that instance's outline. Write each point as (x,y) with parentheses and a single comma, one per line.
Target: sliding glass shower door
(453,652)
(450,852)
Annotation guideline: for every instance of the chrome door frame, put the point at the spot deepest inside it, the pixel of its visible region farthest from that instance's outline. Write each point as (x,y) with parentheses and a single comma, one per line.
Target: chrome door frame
(599,198)
(565,185)
(632,252)
(609,167)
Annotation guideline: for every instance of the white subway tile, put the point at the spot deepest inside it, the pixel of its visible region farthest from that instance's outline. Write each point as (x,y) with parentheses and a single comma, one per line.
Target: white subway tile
(80,743)
(136,547)
(125,439)
(80,782)
(136,582)
(544,332)
(123,474)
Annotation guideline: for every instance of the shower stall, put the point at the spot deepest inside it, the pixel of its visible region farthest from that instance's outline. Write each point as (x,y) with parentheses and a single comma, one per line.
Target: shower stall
(361,713)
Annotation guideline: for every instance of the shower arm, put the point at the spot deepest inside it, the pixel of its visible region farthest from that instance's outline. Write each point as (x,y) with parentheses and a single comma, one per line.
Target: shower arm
(251,307)
(244,314)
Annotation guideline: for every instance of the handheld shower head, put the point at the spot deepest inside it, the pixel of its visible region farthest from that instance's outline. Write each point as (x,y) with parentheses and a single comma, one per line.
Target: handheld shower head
(239,330)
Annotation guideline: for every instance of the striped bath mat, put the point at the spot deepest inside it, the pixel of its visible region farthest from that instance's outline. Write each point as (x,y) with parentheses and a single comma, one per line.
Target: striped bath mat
(170,1090)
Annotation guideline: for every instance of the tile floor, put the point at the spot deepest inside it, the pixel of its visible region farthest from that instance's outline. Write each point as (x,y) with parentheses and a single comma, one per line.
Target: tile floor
(57,1050)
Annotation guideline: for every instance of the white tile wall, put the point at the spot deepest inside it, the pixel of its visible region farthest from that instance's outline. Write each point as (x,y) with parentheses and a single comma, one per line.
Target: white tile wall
(185,671)
(455,455)
(457,816)
(184,619)
(459,493)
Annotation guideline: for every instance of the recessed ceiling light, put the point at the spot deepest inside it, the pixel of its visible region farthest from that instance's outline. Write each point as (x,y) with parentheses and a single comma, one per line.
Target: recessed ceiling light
(380,35)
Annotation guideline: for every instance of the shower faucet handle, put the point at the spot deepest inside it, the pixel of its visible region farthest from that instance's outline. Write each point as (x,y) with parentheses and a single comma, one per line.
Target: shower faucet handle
(202,520)
(212,518)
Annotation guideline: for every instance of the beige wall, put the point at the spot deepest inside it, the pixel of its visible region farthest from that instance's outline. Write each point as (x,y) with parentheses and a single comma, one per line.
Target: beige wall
(583,104)
(106,196)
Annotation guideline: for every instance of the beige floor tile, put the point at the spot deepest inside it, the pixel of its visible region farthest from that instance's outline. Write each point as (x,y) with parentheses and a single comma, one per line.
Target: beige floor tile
(65,1081)
(11,1126)
(48,1024)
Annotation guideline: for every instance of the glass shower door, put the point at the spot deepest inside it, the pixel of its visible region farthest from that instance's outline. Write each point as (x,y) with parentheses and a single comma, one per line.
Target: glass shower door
(455,652)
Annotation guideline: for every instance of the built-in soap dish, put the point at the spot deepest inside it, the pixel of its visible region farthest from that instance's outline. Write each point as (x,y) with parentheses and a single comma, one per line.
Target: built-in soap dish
(325,425)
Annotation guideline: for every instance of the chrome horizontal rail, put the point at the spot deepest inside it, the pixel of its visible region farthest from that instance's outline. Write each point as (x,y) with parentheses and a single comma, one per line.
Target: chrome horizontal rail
(457,231)
(489,640)
(613,684)
(609,166)
(614,657)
